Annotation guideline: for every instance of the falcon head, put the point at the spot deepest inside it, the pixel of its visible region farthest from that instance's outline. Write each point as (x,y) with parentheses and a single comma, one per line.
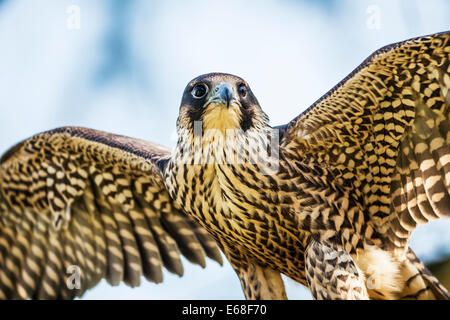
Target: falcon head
(222,102)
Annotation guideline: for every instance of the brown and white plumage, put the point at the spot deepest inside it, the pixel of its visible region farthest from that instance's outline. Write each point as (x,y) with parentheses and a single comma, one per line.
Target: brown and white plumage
(334,210)
(383,135)
(75,196)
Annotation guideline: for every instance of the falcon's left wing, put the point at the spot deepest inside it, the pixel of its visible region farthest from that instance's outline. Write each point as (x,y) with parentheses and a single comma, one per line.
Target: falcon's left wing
(76,202)
(383,134)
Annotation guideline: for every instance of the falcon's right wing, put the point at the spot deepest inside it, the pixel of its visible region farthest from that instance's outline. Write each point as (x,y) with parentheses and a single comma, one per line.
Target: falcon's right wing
(80,200)
(383,135)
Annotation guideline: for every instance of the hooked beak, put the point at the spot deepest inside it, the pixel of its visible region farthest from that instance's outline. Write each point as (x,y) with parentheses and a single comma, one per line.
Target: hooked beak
(223,94)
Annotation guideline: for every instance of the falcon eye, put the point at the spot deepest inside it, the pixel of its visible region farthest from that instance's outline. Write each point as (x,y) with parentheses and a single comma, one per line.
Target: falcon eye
(199,91)
(242,90)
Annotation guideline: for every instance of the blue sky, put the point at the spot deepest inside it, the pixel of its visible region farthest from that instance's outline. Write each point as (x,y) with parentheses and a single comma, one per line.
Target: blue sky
(124,69)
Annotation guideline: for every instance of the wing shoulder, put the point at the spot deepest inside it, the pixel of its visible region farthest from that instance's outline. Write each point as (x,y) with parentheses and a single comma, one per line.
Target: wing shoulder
(78,139)
(382,62)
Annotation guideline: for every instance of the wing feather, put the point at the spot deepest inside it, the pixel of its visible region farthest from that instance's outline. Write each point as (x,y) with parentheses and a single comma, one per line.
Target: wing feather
(76,197)
(384,133)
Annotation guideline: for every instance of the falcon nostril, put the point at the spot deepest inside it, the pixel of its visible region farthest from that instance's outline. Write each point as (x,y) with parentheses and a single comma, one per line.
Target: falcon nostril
(224,93)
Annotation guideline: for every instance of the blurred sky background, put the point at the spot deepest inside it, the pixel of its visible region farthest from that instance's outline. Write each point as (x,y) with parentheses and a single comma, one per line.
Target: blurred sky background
(122,65)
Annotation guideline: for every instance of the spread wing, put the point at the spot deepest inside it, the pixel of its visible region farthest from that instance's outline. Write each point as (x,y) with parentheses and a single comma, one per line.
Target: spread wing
(75,201)
(384,133)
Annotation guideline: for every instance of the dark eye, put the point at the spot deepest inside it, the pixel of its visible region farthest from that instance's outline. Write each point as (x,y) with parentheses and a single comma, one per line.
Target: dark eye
(199,91)
(242,90)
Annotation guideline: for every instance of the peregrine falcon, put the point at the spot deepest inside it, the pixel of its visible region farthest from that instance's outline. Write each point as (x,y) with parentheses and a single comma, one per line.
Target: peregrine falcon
(330,199)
